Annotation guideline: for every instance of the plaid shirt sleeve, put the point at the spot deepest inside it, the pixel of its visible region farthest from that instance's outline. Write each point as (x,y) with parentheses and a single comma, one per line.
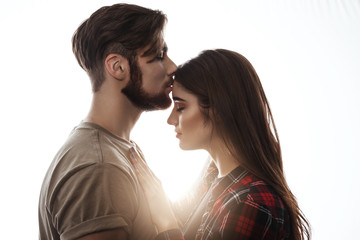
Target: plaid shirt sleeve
(245,221)
(173,234)
(247,209)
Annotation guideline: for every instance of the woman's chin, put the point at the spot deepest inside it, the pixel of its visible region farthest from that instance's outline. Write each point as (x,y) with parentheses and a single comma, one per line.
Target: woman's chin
(186,147)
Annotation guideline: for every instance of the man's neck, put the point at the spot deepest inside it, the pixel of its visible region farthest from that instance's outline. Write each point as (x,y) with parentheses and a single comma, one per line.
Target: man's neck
(114,112)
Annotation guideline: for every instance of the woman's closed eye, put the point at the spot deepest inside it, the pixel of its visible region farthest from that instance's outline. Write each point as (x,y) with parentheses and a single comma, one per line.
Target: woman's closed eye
(179,106)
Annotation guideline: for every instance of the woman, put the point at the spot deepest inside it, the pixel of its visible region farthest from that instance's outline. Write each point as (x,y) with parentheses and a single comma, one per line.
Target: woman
(220,106)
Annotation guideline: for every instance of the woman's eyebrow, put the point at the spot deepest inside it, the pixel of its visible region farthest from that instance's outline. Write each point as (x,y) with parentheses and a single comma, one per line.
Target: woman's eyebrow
(178,99)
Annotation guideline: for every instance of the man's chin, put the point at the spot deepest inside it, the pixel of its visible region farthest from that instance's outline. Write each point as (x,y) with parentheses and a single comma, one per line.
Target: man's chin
(146,102)
(153,106)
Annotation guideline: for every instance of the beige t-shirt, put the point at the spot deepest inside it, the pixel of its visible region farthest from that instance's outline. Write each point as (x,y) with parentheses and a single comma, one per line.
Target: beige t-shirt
(90,187)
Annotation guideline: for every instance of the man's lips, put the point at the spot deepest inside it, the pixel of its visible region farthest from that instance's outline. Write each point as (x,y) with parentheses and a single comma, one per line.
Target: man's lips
(169,87)
(170,83)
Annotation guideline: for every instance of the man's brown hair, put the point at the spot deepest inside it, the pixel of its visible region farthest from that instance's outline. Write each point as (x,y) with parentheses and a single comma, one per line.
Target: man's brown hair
(121,28)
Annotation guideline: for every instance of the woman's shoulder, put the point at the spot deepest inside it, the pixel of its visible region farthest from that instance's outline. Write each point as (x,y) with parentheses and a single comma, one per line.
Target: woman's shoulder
(252,188)
(253,191)
(253,205)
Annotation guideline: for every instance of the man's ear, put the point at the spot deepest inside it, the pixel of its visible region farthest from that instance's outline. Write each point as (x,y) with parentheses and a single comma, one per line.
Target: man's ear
(117,66)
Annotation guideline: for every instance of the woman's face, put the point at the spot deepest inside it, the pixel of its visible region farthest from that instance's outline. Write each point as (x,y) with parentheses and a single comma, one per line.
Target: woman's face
(190,125)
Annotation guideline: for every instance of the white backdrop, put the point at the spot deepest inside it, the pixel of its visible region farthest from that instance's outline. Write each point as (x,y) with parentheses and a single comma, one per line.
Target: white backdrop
(306,53)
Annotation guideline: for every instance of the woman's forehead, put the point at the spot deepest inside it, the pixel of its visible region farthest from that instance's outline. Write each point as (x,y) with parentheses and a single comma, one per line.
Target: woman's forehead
(178,88)
(179,92)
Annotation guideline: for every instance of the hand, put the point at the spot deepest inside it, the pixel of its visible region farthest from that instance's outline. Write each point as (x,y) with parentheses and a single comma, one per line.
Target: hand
(160,209)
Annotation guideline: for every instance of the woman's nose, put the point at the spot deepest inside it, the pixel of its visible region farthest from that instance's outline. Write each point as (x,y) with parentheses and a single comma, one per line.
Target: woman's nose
(172,119)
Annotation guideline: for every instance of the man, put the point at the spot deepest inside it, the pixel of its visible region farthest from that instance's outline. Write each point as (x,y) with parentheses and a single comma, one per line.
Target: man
(90,191)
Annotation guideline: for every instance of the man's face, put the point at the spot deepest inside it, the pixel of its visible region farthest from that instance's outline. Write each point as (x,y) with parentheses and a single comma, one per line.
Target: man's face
(151,80)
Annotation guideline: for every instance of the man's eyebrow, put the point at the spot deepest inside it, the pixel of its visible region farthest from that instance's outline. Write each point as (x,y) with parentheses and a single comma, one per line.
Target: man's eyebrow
(178,99)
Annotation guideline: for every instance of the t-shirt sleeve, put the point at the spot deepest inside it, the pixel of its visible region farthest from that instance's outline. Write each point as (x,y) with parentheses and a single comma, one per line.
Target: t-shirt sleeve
(95,198)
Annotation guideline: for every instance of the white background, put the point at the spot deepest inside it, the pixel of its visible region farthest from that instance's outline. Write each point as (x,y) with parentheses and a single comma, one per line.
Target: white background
(306,53)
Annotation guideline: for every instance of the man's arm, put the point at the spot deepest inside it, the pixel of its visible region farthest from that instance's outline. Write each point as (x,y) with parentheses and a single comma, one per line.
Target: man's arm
(92,201)
(115,234)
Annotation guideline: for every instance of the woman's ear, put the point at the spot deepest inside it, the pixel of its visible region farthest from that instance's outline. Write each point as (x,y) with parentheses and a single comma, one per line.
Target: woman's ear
(117,66)
(213,115)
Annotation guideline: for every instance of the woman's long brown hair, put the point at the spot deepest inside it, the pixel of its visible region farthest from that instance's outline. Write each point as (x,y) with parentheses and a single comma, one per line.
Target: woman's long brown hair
(226,83)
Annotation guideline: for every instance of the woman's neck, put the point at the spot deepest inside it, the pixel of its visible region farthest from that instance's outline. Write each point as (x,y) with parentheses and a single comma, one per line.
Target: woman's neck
(223,159)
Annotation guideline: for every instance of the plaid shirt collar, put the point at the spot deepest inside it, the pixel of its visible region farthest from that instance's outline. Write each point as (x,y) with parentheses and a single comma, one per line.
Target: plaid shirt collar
(223,184)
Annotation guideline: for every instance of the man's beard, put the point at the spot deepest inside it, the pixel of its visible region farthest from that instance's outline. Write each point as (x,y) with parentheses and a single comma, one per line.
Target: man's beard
(139,97)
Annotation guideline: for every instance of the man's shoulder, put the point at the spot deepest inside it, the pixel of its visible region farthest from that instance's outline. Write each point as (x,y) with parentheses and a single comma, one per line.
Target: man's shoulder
(87,147)
(86,151)
(80,147)
(90,139)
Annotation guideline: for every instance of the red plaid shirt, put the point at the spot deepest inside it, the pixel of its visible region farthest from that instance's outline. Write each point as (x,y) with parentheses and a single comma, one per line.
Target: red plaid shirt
(241,206)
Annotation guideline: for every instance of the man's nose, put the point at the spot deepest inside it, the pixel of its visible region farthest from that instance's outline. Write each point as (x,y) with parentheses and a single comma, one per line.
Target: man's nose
(171,67)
